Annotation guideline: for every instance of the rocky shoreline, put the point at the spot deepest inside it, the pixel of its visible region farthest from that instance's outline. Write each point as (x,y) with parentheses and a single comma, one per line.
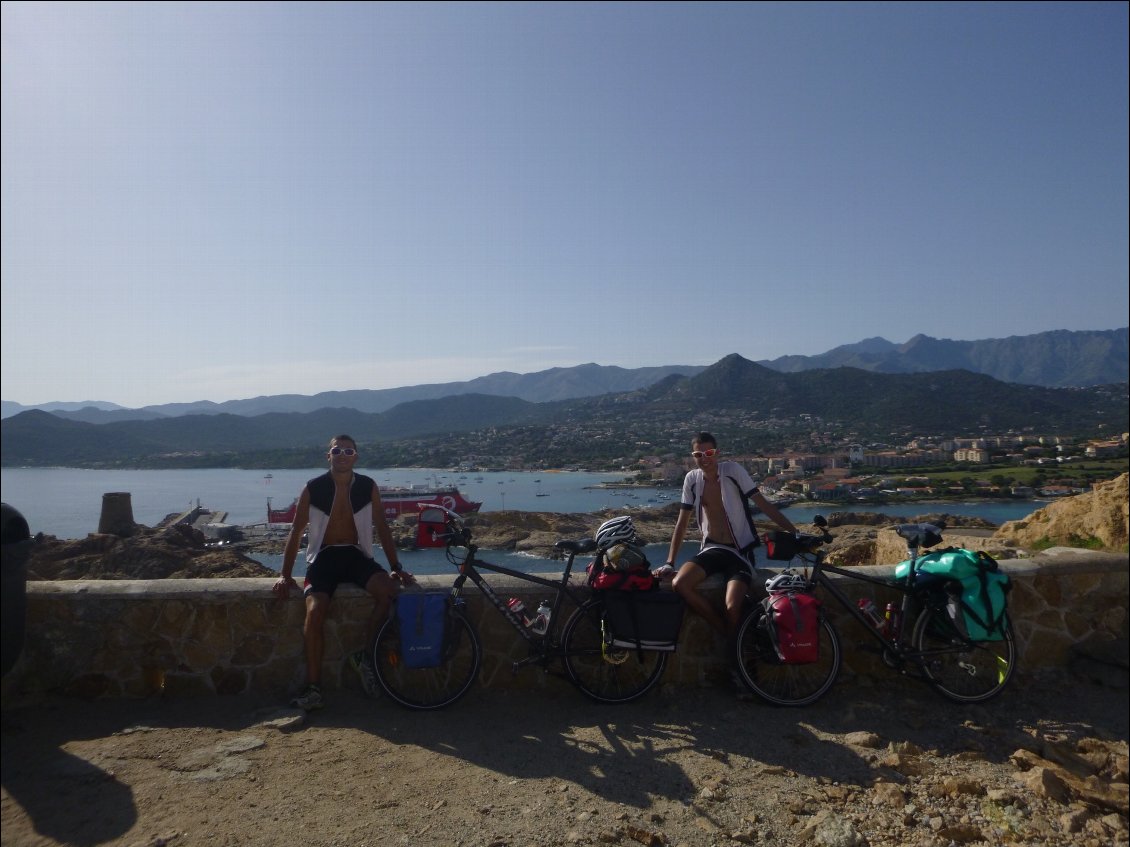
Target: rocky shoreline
(1098,519)
(181,552)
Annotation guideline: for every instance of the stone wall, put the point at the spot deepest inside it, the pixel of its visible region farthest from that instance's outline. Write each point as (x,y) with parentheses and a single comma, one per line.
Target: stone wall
(135,638)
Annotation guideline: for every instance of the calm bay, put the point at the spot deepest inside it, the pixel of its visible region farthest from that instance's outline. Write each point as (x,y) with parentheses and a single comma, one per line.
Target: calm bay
(67,502)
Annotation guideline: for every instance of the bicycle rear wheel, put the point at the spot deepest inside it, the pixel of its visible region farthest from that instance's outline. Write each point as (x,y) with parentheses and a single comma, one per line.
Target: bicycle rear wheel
(435,687)
(963,670)
(786,684)
(605,673)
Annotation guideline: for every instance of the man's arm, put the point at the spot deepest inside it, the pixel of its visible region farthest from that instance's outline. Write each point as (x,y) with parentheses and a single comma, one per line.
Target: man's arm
(384,535)
(677,536)
(772,512)
(290,553)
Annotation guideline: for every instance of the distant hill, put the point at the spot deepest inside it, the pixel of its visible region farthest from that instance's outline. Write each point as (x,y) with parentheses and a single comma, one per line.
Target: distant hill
(737,398)
(1058,359)
(541,387)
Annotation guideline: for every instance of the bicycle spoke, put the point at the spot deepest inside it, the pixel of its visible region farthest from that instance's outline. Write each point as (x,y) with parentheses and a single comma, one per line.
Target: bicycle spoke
(786,684)
(607,674)
(428,688)
(963,670)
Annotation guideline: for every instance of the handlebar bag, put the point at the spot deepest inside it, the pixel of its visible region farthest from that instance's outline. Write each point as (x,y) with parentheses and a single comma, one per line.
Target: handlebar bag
(792,619)
(781,546)
(984,588)
(644,620)
(423,627)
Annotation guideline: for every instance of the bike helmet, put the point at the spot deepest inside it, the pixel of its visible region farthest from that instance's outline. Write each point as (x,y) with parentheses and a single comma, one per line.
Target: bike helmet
(619,530)
(786,581)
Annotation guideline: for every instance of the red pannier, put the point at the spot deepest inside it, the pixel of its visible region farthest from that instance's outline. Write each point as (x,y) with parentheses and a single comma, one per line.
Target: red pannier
(431,529)
(792,619)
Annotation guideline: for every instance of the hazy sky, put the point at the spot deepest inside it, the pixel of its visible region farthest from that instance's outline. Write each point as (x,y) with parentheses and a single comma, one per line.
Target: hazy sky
(211,201)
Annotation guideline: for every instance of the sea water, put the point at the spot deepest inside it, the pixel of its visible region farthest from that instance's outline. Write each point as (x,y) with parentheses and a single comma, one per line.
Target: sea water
(67,502)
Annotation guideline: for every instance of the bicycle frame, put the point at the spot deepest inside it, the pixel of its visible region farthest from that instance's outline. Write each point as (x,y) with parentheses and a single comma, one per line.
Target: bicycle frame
(896,644)
(469,569)
(927,643)
(578,639)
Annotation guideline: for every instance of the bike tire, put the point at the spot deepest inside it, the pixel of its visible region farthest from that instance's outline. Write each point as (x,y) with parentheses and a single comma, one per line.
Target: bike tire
(786,684)
(962,670)
(428,688)
(606,674)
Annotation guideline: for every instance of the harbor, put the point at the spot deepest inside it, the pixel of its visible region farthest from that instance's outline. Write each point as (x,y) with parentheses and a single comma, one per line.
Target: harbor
(65,502)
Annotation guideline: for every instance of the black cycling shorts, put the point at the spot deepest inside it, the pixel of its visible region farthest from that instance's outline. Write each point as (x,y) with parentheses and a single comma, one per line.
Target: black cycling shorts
(337,564)
(723,560)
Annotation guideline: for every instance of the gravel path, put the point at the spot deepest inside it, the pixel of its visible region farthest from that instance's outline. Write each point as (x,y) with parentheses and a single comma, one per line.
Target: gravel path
(1045,764)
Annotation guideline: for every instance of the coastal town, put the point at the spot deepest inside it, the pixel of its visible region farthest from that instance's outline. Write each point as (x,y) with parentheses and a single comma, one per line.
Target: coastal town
(1011,465)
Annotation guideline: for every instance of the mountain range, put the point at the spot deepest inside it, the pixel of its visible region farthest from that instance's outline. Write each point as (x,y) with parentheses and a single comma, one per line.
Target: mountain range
(749,406)
(1057,359)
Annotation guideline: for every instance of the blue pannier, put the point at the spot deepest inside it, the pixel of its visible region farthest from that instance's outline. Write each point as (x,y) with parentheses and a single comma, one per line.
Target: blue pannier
(423,627)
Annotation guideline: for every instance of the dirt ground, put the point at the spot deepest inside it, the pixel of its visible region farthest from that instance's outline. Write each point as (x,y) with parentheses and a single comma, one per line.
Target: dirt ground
(1044,764)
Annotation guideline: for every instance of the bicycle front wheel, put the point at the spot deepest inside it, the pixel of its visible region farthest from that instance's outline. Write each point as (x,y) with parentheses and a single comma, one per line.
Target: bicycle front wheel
(786,684)
(963,670)
(605,673)
(434,687)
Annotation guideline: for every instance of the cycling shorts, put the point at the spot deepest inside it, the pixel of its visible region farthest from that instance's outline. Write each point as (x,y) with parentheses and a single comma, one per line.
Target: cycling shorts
(337,564)
(723,560)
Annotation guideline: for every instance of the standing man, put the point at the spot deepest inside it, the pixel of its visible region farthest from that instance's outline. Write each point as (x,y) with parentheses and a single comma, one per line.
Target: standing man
(342,508)
(719,493)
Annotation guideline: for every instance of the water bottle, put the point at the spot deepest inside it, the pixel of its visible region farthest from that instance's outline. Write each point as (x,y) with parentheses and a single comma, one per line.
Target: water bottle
(519,608)
(541,622)
(892,621)
(868,607)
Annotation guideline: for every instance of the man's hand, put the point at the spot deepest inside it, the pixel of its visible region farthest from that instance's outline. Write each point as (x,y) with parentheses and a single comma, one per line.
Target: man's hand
(282,586)
(403,577)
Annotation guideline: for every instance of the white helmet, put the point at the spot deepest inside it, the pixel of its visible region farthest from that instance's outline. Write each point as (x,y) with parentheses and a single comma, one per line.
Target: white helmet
(619,530)
(786,581)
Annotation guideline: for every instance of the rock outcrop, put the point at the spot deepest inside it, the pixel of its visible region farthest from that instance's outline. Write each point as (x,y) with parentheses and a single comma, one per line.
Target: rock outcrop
(1099,518)
(176,552)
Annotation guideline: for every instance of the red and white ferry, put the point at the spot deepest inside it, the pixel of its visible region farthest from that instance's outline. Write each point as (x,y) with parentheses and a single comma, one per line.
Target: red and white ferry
(398,500)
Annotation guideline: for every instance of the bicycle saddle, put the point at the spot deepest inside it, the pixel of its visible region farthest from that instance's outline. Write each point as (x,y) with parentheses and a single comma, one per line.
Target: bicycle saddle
(920,534)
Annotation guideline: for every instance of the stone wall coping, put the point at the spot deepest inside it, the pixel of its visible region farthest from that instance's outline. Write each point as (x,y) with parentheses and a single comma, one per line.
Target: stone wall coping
(188,637)
(1058,560)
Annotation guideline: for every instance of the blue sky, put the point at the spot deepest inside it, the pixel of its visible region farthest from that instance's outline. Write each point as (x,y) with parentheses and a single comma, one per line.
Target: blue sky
(224,200)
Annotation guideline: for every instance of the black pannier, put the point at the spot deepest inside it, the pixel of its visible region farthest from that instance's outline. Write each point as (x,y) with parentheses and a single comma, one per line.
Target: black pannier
(644,620)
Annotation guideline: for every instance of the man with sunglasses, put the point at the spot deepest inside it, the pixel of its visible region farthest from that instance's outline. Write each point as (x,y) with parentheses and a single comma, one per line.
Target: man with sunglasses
(719,493)
(342,508)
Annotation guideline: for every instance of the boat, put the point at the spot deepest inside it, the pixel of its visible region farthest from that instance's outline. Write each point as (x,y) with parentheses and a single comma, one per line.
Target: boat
(281,515)
(779,500)
(398,500)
